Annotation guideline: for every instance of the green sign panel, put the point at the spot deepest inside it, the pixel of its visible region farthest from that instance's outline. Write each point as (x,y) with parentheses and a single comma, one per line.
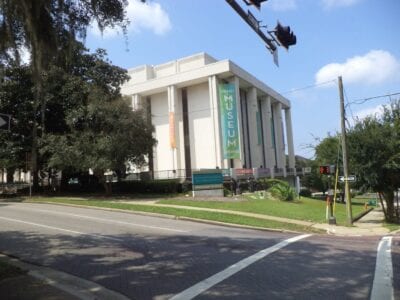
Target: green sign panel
(229,121)
(207,180)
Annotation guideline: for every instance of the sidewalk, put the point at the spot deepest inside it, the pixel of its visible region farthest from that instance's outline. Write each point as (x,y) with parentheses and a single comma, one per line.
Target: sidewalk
(370,224)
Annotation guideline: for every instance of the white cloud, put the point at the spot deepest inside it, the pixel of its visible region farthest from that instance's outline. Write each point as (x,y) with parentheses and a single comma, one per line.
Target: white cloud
(377,66)
(149,15)
(371,111)
(283,5)
(330,4)
(376,111)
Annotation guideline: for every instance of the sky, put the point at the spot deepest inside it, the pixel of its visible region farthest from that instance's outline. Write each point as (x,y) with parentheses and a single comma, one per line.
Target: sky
(355,39)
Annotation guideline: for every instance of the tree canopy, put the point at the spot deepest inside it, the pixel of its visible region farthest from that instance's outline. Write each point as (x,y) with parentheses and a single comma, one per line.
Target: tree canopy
(49,29)
(374,147)
(88,124)
(374,155)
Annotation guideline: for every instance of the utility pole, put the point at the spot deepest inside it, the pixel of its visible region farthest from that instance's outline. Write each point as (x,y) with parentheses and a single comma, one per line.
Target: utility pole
(345,159)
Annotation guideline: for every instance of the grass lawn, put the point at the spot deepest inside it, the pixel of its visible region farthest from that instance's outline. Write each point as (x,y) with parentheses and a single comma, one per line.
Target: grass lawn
(304,209)
(180,212)
(391,226)
(7,270)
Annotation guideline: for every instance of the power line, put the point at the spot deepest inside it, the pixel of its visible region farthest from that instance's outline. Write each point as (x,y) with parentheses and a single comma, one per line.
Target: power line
(363,100)
(309,86)
(349,107)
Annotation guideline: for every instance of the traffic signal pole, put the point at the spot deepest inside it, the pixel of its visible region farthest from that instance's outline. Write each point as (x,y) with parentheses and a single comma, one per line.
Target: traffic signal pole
(252,23)
(345,158)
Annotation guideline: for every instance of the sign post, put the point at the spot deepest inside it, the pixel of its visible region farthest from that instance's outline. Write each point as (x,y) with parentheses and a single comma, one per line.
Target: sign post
(350,178)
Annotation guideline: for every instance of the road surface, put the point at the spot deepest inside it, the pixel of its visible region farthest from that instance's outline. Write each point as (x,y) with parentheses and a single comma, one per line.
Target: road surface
(146,257)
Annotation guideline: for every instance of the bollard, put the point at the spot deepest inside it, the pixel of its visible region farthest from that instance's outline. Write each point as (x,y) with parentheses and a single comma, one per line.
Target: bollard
(331,218)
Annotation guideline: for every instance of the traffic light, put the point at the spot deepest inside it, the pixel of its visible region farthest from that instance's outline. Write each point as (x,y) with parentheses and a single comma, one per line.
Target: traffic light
(285,37)
(256,3)
(324,170)
(327,170)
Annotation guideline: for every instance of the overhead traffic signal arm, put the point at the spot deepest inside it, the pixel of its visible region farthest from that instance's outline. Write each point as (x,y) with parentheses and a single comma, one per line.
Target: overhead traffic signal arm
(245,16)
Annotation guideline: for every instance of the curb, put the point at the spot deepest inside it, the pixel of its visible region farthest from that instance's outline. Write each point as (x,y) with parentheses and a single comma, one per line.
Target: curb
(232,225)
(133,212)
(71,284)
(173,217)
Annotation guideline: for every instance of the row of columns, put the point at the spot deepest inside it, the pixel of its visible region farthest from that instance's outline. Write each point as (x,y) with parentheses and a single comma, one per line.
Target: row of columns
(273,154)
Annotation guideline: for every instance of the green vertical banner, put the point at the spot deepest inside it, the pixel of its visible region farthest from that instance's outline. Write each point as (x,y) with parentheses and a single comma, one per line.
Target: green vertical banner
(229,121)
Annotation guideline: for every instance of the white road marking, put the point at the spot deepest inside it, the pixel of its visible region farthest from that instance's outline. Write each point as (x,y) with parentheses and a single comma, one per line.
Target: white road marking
(109,221)
(63,229)
(206,284)
(382,288)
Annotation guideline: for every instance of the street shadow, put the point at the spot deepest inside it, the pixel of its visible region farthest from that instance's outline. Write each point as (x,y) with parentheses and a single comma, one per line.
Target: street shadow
(157,267)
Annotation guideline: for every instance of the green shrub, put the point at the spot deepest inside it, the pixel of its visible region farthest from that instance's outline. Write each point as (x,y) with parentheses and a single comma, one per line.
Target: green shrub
(305,193)
(152,186)
(281,190)
(262,184)
(186,187)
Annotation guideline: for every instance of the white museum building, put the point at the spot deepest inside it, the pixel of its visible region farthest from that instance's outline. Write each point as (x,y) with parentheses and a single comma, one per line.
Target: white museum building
(210,114)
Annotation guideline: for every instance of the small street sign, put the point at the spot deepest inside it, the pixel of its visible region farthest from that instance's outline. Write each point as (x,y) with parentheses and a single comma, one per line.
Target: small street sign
(350,178)
(275,56)
(5,121)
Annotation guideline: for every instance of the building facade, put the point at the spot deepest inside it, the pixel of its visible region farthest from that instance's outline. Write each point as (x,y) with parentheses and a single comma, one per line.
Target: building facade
(211,114)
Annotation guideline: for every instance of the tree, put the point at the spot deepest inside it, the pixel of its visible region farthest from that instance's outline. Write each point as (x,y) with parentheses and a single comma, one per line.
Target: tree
(374,152)
(104,136)
(16,99)
(326,153)
(314,180)
(48,28)
(85,116)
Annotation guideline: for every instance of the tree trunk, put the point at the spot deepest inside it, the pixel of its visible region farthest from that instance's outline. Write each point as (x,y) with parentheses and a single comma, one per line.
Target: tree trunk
(389,198)
(39,63)
(108,188)
(10,175)
(103,181)
(383,205)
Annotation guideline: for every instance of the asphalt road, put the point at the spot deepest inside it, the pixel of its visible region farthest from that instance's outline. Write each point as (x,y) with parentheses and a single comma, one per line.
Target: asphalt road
(147,257)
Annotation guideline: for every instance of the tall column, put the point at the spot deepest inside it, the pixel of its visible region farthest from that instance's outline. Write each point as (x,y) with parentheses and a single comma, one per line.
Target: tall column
(266,123)
(289,137)
(279,145)
(254,131)
(173,125)
(136,102)
(214,106)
